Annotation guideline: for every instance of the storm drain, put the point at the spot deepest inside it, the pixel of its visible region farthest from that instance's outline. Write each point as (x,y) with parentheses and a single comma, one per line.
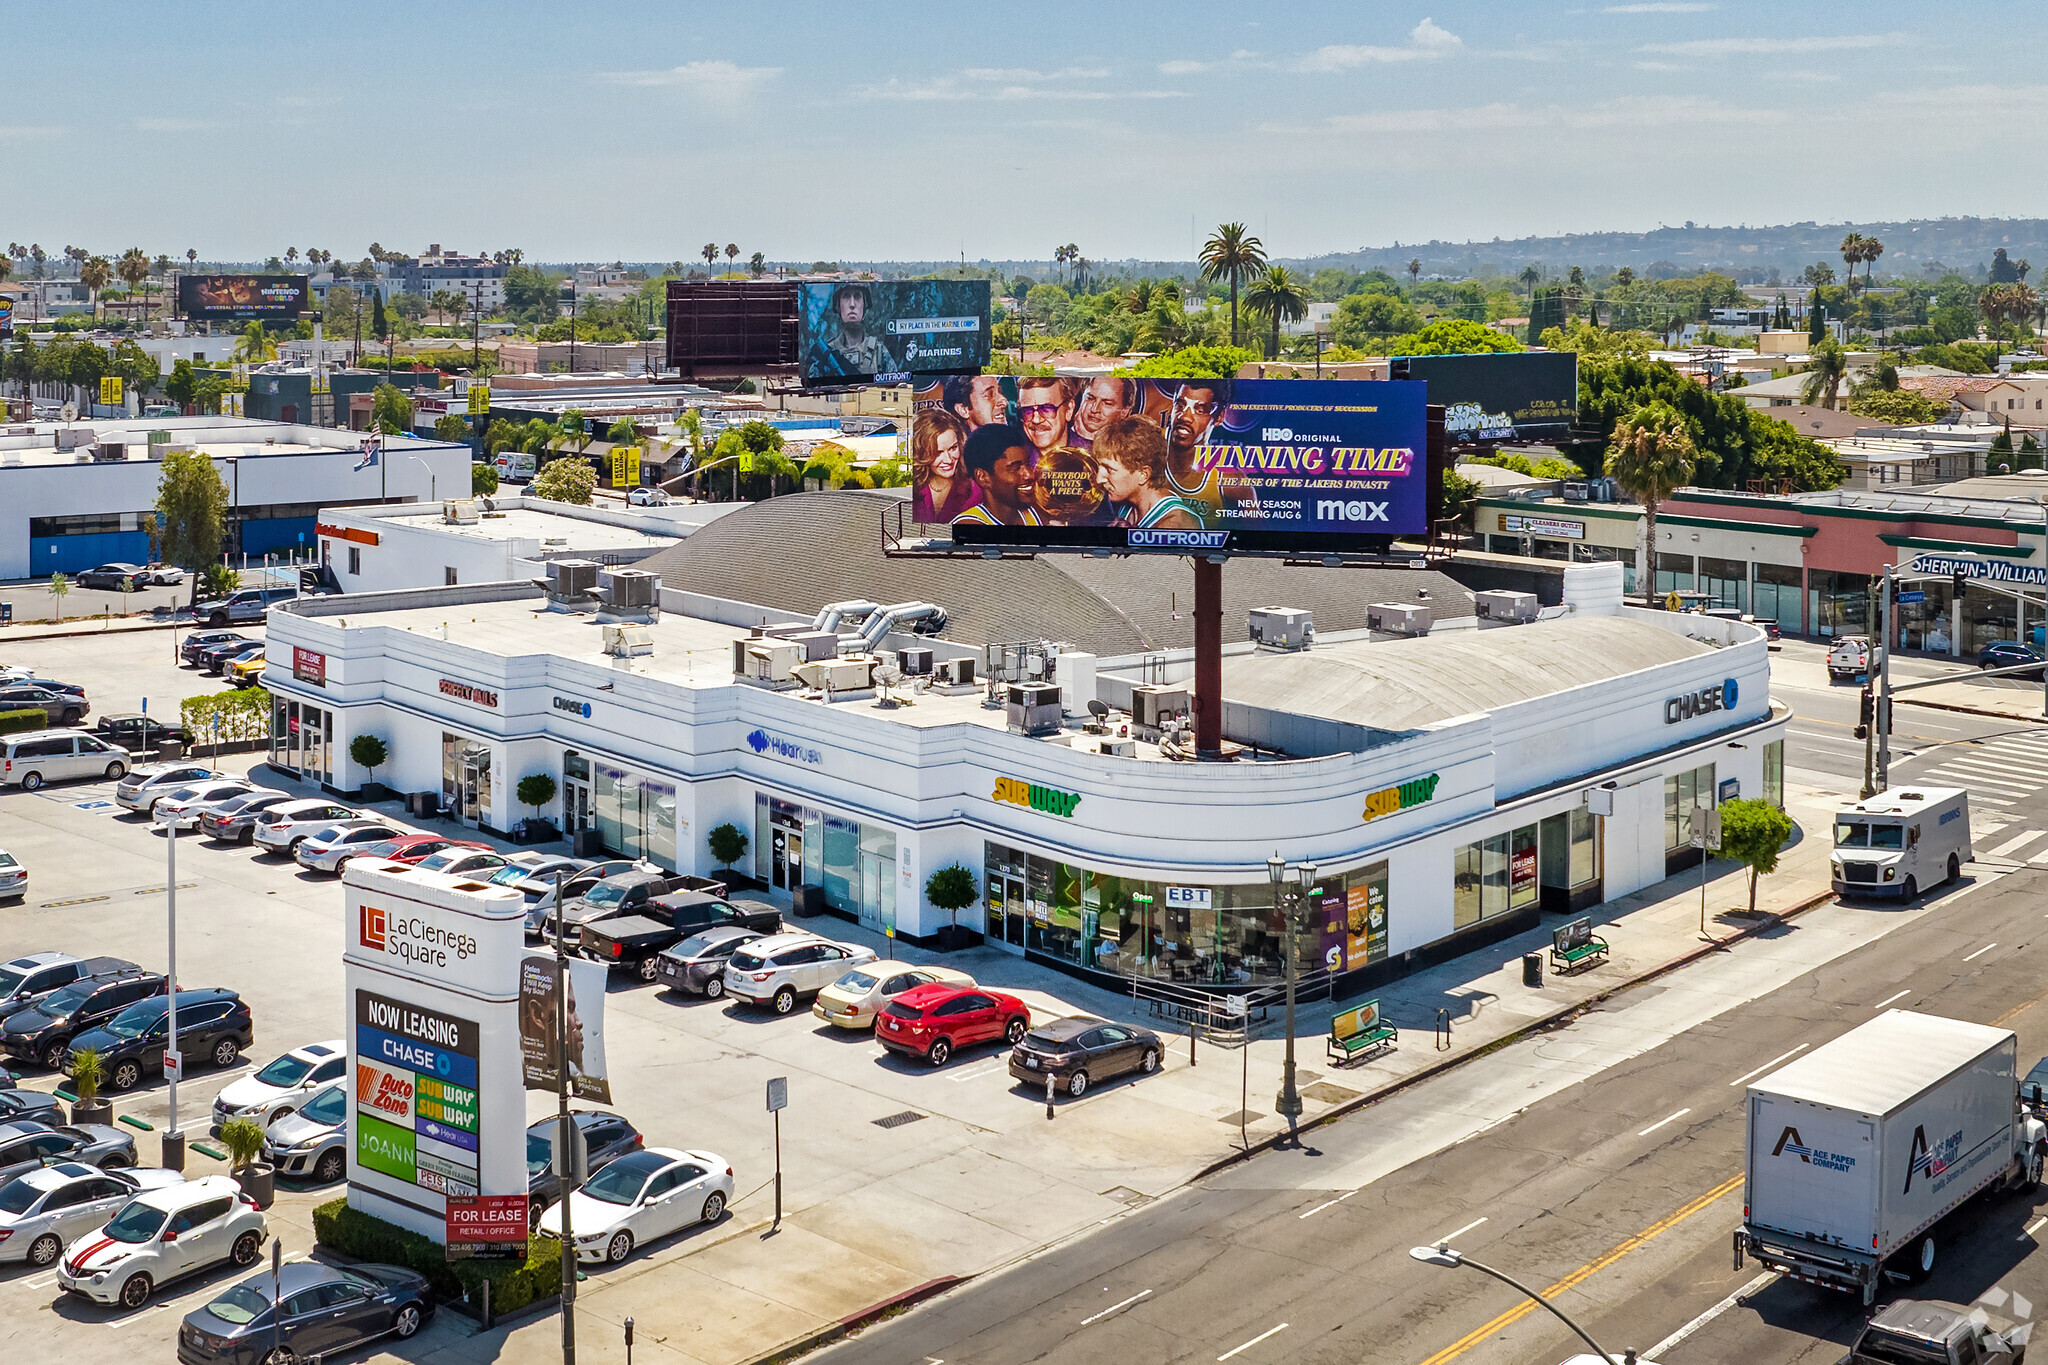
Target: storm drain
(898,1120)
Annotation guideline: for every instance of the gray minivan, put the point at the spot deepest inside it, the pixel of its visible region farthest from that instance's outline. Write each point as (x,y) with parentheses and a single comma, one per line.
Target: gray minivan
(38,756)
(247,605)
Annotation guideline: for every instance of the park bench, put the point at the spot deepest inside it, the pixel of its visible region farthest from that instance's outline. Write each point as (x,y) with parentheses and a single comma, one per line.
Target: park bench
(1359,1034)
(1575,945)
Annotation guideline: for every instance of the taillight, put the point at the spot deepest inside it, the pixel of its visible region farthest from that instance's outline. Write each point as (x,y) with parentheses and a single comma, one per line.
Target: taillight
(618,950)
(250,1202)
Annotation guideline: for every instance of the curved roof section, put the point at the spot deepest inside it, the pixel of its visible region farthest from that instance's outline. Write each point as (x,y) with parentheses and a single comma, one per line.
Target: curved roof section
(1406,684)
(804,551)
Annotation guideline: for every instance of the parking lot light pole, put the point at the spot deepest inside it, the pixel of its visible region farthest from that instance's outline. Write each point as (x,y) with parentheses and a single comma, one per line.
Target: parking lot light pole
(1444,1255)
(174,1140)
(565,1130)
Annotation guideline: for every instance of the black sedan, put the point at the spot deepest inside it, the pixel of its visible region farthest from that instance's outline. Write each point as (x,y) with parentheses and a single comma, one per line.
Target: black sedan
(217,659)
(1080,1051)
(324,1311)
(30,1104)
(189,650)
(607,1137)
(696,966)
(213,1027)
(27,1145)
(112,576)
(2009,653)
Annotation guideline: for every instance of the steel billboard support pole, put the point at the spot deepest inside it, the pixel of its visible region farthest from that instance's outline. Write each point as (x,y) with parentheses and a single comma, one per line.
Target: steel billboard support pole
(1209,656)
(565,1129)
(173,1139)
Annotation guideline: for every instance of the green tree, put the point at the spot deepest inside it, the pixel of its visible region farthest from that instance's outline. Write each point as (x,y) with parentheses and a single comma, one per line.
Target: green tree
(623,432)
(380,326)
(728,844)
(451,427)
(483,479)
(254,346)
(1453,336)
(1651,455)
(535,790)
(60,586)
(1998,458)
(391,410)
(951,889)
(1827,367)
(1231,253)
(1896,407)
(570,479)
(575,429)
(1279,297)
(369,751)
(531,295)
(1195,362)
(1753,832)
(1461,494)
(182,387)
(191,501)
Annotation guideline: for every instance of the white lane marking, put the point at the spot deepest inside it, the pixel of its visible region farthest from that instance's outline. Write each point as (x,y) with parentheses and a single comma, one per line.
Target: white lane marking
(1461,1231)
(1980,952)
(1716,1311)
(2032,1227)
(1143,1293)
(1661,1122)
(1996,773)
(1249,1344)
(1771,1063)
(1993,801)
(2012,845)
(988,1070)
(1835,739)
(1973,780)
(1889,998)
(1317,1209)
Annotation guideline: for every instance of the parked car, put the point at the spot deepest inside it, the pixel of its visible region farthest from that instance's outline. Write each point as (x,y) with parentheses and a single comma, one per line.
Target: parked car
(112,577)
(779,969)
(616,895)
(58,708)
(463,859)
(648,497)
(201,640)
(283,1085)
(27,979)
(856,999)
(406,848)
(312,1142)
(1848,658)
(281,828)
(639,1198)
(213,1027)
(529,865)
(606,1136)
(325,1311)
(40,1105)
(41,1032)
(13,878)
(143,787)
(27,1144)
(135,732)
(2010,653)
(1080,1051)
(30,759)
(164,575)
(934,1022)
(43,1210)
(249,604)
(329,849)
(539,891)
(182,807)
(52,685)
(219,660)
(230,819)
(696,966)
(163,1235)
(636,941)
(246,668)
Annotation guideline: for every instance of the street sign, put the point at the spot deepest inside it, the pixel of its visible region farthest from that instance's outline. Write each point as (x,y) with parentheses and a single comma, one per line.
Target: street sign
(778,1093)
(574,1165)
(174,1066)
(1706,827)
(1908,597)
(110,390)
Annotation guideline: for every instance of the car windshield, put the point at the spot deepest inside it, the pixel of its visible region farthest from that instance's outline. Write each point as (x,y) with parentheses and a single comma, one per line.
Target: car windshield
(18,1197)
(511,874)
(285,1071)
(138,1222)
(68,999)
(858,980)
(240,1306)
(605,894)
(538,1151)
(237,800)
(10,982)
(327,1108)
(136,1020)
(620,1182)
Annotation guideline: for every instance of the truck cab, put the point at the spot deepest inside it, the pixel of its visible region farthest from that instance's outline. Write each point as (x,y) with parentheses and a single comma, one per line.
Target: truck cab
(1899,843)
(1929,1332)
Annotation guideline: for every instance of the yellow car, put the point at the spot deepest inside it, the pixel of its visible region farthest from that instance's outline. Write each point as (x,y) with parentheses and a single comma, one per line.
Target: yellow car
(857,996)
(243,672)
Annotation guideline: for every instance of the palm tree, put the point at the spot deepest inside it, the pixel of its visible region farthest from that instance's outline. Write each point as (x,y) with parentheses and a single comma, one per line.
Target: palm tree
(1414,271)
(133,267)
(1231,253)
(1852,254)
(1276,294)
(1624,277)
(254,345)
(1825,372)
(732,253)
(1530,277)
(1872,249)
(758,264)
(95,272)
(191,256)
(1059,255)
(1650,456)
(710,255)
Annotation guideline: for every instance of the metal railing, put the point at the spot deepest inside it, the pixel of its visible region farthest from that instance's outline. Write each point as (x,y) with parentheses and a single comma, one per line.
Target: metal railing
(1212,1008)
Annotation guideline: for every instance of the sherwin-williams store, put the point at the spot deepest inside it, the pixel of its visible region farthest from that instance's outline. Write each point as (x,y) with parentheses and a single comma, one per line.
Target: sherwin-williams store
(1449,790)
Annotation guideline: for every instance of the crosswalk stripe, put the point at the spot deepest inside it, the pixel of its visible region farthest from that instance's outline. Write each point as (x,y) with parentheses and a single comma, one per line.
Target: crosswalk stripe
(1993,801)
(1992,777)
(1973,781)
(2011,846)
(1986,766)
(2031,761)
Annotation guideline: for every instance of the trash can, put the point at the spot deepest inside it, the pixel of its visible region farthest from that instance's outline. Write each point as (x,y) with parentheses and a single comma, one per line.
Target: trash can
(1532,969)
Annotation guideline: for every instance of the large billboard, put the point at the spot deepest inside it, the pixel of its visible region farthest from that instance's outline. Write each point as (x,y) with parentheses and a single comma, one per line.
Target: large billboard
(1525,396)
(217,297)
(1171,464)
(730,326)
(541,1040)
(854,331)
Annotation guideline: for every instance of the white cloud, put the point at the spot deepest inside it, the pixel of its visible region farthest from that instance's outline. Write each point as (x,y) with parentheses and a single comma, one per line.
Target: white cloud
(1428,35)
(1661,66)
(716,77)
(1426,41)
(1009,85)
(1730,47)
(1185,68)
(1632,112)
(1660,7)
(174,125)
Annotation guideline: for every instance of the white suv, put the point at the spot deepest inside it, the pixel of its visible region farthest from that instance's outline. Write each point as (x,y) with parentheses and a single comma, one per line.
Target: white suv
(281,1087)
(778,969)
(163,1235)
(282,828)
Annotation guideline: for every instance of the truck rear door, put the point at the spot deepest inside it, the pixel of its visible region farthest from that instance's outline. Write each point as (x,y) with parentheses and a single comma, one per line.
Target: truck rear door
(1812,1172)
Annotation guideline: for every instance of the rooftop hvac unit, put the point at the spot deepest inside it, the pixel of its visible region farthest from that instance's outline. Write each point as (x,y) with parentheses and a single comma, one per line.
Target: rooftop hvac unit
(1576,491)
(106,452)
(954,672)
(854,673)
(629,589)
(816,644)
(459,511)
(571,580)
(1034,708)
(771,661)
(1153,705)
(915,663)
(628,641)
(1282,627)
(1397,618)
(1506,606)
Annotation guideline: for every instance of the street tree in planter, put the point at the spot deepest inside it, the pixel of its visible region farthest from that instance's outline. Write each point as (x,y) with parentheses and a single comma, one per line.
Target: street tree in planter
(370,752)
(243,1138)
(952,889)
(728,844)
(535,790)
(87,1071)
(1753,832)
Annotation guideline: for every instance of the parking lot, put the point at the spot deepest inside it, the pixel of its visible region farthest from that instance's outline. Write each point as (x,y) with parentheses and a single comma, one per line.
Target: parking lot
(895,1173)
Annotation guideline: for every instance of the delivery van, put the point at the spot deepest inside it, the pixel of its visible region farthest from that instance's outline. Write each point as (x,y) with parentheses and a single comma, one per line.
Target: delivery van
(1898,843)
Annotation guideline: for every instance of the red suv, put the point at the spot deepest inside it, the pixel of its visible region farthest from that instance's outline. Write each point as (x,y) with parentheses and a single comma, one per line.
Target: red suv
(931,1021)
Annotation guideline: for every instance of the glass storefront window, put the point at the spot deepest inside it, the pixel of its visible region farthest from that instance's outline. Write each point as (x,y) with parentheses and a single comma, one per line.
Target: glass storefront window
(1585,857)
(1465,887)
(1777,595)
(839,864)
(1726,579)
(1839,603)
(635,815)
(1774,773)
(1683,791)
(1522,867)
(1674,573)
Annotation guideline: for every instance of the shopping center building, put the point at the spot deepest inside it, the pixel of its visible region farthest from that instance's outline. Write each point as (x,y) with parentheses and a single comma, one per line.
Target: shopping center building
(1450,788)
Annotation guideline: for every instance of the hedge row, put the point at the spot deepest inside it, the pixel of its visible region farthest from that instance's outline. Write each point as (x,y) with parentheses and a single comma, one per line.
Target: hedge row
(244,713)
(514,1284)
(13,722)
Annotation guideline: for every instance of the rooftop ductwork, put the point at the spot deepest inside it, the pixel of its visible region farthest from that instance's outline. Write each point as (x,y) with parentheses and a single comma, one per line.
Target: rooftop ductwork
(921,617)
(845,613)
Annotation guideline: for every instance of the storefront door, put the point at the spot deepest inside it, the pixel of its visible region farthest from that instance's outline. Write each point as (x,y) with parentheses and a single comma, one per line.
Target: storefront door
(576,806)
(1013,911)
(466,779)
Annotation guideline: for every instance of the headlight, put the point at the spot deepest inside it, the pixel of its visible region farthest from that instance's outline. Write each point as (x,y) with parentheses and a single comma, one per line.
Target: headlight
(1890,872)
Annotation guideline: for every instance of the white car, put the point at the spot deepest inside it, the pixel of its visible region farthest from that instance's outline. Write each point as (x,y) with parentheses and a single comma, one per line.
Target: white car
(312,1144)
(164,574)
(641,1196)
(858,995)
(283,826)
(329,849)
(163,1235)
(647,497)
(183,806)
(13,878)
(44,1210)
(143,787)
(778,969)
(457,862)
(282,1086)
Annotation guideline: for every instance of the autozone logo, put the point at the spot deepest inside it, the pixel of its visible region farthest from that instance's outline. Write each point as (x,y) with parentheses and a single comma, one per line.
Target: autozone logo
(373,928)
(383,1092)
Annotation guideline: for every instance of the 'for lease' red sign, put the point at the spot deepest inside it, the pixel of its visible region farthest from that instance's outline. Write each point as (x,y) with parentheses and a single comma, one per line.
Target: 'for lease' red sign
(486,1219)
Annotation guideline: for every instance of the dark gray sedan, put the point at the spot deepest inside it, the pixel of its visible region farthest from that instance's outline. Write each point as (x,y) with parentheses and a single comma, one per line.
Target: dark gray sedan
(26,1144)
(323,1311)
(696,966)
(30,1104)
(1080,1051)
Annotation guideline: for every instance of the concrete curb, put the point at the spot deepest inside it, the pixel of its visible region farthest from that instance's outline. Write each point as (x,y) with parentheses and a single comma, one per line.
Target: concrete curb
(7,635)
(847,1326)
(1973,711)
(1539,1025)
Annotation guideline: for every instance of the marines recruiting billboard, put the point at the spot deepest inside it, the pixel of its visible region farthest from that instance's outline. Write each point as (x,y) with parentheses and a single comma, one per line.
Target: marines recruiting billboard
(1171,464)
(854,331)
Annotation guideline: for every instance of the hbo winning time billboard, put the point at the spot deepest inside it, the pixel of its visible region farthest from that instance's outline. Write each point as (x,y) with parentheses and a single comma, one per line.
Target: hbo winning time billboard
(1171,464)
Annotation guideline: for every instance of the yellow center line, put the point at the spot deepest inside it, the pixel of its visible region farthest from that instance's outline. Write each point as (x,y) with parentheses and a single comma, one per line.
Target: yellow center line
(1583,1273)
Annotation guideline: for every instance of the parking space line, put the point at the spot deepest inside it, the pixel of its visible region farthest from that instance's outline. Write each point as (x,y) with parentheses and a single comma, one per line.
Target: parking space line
(1328,1203)
(2032,1227)
(1661,1122)
(1449,1235)
(1249,1344)
(1769,1277)
(1980,952)
(988,1070)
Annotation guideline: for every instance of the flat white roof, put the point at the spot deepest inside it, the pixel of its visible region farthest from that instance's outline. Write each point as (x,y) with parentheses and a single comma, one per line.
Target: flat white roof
(521,523)
(1881,1065)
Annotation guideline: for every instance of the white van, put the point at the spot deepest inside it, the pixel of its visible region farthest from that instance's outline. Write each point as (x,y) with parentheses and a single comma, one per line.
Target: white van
(29,760)
(1848,658)
(1898,843)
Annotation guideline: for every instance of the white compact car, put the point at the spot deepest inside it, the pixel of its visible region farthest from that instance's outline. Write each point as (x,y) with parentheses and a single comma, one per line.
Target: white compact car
(312,1144)
(164,1235)
(143,787)
(330,849)
(281,828)
(13,877)
(858,995)
(641,1196)
(778,969)
(280,1087)
(43,1211)
(182,806)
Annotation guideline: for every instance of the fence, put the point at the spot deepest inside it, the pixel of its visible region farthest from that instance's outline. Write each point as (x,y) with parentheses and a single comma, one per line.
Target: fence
(1212,1009)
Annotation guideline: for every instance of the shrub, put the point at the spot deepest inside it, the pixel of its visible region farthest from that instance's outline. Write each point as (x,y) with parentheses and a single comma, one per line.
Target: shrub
(536,790)
(217,581)
(243,1138)
(366,1237)
(483,478)
(951,889)
(368,751)
(86,1071)
(728,844)
(569,480)
(15,721)
(243,712)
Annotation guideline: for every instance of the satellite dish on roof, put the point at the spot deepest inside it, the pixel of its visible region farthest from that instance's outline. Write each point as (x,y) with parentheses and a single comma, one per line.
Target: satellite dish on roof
(1098,708)
(69,412)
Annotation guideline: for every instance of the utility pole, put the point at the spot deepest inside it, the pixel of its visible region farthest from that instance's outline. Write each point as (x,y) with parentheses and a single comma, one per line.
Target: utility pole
(1882,669)
(565,1133)
(572,319)
(1870,683)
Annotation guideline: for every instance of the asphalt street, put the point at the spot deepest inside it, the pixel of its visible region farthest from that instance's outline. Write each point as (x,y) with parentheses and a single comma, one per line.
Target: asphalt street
(1617,1195)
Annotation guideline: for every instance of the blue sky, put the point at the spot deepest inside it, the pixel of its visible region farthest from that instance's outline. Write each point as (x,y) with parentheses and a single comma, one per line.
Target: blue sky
(892,130)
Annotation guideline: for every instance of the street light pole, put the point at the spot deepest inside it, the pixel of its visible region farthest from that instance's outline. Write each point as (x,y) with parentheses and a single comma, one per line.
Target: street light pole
(1442,1254)
(565,1131)
(1290,904)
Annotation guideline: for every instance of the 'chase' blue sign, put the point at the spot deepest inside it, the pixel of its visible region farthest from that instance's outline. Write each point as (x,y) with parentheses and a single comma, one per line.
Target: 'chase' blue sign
(391,1050)
(761,742)
(1704,702)
(573,707)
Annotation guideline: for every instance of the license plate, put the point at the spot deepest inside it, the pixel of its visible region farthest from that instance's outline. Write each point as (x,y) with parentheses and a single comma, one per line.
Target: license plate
(1031,1062)
(895,1027)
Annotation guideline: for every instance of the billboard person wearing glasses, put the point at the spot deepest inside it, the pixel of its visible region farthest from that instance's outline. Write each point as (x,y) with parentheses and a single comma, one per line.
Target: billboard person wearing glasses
(1044,406)
(1004,465)
(1102,399)
(851,349)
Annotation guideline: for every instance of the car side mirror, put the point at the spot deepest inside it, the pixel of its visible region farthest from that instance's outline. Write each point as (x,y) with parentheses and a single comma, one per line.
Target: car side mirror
(170,1234)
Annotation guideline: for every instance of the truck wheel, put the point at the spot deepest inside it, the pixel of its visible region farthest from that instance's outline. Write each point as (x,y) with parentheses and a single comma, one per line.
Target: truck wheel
(1912,889)
(1923,1255)
(1955,867)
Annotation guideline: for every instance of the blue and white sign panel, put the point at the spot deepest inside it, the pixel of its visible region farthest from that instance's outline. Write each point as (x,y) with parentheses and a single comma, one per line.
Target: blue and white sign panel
(1988,570)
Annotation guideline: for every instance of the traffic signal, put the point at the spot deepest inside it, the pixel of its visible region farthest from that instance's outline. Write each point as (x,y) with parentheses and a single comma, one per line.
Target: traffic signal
(1960,580)
(1864,714)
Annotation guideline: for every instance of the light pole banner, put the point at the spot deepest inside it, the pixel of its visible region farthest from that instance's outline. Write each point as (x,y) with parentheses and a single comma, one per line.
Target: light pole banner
(540,1043)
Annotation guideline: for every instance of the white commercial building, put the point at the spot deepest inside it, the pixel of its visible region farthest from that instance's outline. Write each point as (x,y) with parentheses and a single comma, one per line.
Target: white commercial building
(1449,789)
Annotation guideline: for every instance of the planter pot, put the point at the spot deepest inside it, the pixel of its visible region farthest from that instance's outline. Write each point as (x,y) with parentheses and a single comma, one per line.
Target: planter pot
(93,1111)
(806,901)
(259,1182)
(589,843)
(951,938)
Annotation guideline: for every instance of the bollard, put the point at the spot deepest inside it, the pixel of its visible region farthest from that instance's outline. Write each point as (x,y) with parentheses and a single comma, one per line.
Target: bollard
(174,1151)
(1191,1042)
(1532,969)
(487,1305)
(1048,1094)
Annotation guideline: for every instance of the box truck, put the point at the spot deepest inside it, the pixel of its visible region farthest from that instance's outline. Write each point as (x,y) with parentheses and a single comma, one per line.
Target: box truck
(1858,1149)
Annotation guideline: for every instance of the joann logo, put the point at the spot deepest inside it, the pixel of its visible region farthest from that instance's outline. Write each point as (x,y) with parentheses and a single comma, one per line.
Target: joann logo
(1704,702)
(1336,509)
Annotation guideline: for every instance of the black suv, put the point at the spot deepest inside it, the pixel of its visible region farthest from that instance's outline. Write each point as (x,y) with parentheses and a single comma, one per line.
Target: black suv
(607,1136)
(200,641)
(213,1028)
(41,1034)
